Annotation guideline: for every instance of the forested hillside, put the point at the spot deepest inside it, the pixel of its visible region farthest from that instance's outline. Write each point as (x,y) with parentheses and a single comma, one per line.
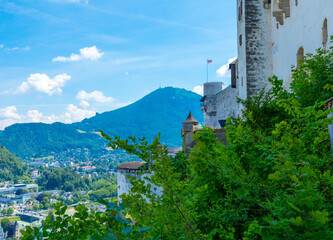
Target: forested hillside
(160,111)
(11,167)
(39,139)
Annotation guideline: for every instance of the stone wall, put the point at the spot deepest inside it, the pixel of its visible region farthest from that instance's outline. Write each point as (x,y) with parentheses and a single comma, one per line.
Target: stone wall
(188,142)
(124,185)
(258,46)
(219,107)
(226,105)
(220,135)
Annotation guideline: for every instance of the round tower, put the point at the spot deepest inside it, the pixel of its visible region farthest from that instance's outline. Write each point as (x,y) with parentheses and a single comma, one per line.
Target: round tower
(212,88)
(188,129)
(208,105)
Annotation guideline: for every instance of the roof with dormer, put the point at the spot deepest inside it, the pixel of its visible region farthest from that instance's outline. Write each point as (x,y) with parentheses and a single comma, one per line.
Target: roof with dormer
(190,119)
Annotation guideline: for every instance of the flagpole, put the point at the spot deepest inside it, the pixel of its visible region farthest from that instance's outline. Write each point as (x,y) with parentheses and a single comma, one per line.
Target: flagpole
(207,69)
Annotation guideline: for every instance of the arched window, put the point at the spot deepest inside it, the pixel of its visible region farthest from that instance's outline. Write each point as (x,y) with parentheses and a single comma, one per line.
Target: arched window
(300,56)
(240,11)
(325,33)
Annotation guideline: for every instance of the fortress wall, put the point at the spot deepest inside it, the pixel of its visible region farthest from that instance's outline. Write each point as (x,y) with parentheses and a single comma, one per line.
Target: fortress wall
(258,45)
(304,28)
(124,185)
(226,104)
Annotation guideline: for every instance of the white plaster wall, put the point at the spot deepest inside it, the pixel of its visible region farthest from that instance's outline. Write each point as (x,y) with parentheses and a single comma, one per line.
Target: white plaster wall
(241,65)
(124,185)
(303,28)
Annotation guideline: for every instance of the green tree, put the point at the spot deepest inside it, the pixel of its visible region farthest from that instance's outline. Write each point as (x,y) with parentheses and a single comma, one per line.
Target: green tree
(4,211)
(10,211)
(313,81)
(35,207)
(85,224)
(4,224)
(12,227)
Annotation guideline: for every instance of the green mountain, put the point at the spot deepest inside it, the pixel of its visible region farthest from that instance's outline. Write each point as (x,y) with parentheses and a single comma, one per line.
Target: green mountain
(41,140)
(11,167)
(160,111)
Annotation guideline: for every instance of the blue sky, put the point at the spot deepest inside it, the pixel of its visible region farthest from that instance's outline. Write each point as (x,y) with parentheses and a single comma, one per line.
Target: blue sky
(63,60)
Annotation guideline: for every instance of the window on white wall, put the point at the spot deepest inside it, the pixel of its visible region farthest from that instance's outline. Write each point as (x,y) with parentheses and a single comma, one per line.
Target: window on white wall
(300,56)
(325,33)
(240,11)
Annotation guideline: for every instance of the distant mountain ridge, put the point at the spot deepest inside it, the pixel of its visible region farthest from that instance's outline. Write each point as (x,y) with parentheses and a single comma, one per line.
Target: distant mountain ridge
(163,110)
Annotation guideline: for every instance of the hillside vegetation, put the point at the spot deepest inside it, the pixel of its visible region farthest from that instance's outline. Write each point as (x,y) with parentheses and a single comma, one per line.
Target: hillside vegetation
(160,111)
(39,139)
(11,167)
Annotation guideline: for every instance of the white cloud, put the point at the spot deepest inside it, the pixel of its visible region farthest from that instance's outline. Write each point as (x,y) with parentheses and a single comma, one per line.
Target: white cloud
(43,83)
(2,46)
(9,112)
(9,115)
(224,70)
(84,104)
(91,53)
(75,114)
(198,90)
(95,96)
(35,116)
(27,48)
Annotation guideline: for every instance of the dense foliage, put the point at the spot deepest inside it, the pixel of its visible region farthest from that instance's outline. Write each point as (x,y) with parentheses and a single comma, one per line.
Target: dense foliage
(272,181)
(62,179)
(11,167)
(160,111)
(102,186)
(39,139)
(85,224)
